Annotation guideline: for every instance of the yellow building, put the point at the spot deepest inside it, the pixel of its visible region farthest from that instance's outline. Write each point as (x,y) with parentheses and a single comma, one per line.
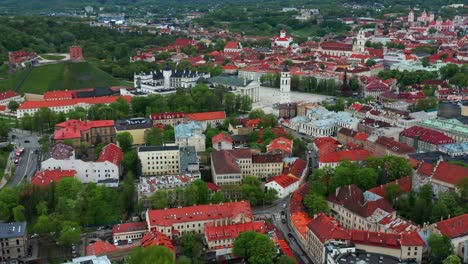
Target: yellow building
(136,127)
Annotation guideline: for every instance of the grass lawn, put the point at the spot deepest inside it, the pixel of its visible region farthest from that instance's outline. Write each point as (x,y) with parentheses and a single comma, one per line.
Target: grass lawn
(52,57)
(63,76)
(3,161)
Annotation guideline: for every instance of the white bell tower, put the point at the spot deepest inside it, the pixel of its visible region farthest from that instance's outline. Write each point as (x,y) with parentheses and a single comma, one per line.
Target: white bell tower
(285,86)
(360,44)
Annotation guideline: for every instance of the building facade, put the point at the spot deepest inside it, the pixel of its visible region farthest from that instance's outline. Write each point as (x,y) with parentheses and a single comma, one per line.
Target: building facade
(13,241)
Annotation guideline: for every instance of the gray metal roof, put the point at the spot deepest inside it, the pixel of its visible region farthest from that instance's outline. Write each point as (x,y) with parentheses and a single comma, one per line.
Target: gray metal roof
(229,81)
(9,230)
(157,148)
(188,155)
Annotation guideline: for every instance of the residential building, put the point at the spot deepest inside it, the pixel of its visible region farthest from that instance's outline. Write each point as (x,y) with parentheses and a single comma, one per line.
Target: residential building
(106,170)
(136,127)
(13,241)
(233,47)
(92,259)
(150,184)
(225,169)
(454,150)
(169,160)
(46,177)
(238,86)
(447,176)
(131,230)
(334,157)
(168,118)
(266,165)
(8,96)
(221,142)
(385,146)
(424,139)
(456,229)
(174,222)
(156,238)
(355,209)
(91,132)
(167,80)
(190,134)
(450,127)
(220,238)
(159,160)
(283,184)
(214,119)
(64,106)
(282,146)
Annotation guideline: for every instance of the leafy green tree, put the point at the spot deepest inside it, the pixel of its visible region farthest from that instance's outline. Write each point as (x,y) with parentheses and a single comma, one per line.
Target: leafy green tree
(159,199)
(268,136)
(243,243)
(184,260)
(125,141)
(4,128)
(70,234)
(128,191)
(262,250)
(299,148)
(18,214)
(192,246)
(370,62)
(13,106)
(392,192)
(151,255)
(441,248)
(425,61)
(43,225)
(316,203)
(154,136)
(285,259)
(131,162)
(217,197)
(201,191)
(452,259)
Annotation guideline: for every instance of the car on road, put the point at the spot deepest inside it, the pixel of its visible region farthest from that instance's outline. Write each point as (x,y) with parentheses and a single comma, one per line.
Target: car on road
(283,221)
(19,152)
(17,161)
(290,235)
(26,141)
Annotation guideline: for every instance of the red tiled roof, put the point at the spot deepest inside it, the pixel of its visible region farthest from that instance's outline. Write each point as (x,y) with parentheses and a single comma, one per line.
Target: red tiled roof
(352,198)
(283,180)
(221,137)
(297,168)
(229,67)
(351,155)
(395,146)
(213,233)
(3,108)
(326,228)
(156,238)
(427,135)
(44,178)
(8,94)
(225,162)
(397,224)
(404,183)
(111,153)
(252,122)
(426,169)
(58,95)
(182,42)
(454,227)
(167,115)
(72,128)
(450,173)
(168,217)
(129,227)
(213,187)
(300,220)
(232,45)
(282,144)
(67,102)
(206,116)
(267,158)
(336,46)
(320,142)
(100,247)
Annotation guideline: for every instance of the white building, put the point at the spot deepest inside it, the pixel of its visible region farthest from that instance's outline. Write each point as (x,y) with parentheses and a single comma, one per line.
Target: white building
(167,80)
(238,86)
(106,170)
(285,86)
(325,123)
(283,184)
(168,160)
(282,40)
(190,134)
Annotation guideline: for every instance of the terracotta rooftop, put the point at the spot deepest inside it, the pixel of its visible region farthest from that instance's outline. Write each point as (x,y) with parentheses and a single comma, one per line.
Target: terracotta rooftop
(71,102)
(167,115)
(283,180)
(100,248)
(224,162)
(450,173)
(267,158)
(111,153)
(44,178)
(213,232)
(156,238)
(168,217)
(395,146)
(454,227)
(282,144)
(8,94)
(72,128)
(404,183)
(129,227)
(221,137)
(326,228)
(206,116)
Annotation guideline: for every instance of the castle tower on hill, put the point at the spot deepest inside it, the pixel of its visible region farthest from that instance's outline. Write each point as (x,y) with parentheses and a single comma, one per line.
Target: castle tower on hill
(76,53)
(285,87)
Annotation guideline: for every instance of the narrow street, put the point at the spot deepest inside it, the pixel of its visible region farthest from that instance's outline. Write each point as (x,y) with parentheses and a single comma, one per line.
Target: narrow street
(29,160)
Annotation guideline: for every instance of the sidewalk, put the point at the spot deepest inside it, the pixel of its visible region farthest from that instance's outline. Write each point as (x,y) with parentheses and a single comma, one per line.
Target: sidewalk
(4,181)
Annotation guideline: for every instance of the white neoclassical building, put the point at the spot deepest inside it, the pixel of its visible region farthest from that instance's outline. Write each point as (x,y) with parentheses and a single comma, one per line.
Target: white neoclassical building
(238,86)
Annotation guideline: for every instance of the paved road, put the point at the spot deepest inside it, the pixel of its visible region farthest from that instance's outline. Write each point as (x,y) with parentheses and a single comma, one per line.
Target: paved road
(29,161)
(274,212)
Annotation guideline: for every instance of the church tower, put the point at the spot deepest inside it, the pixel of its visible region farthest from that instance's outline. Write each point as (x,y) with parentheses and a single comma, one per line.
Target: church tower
(360,43)
(167,72)
(411,17)
(285,86)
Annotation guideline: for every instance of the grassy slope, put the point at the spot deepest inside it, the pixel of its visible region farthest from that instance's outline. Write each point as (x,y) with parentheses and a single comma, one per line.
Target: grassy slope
(60,77)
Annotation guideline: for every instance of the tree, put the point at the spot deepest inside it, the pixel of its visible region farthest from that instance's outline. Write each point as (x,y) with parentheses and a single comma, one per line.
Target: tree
(262,250)
(200,190)
(125,141)
(452,259)
(299,148)
(392,192)
(69,234)
(131,162)
(191,246)
(268,136)
(18,214)
(154,136)
(151,255)
(217,197)
(285,259)
(128,191)
(316,203)
(370,62)
(159,199)
(4,128)
(243,242)
(13,106)
(425,61)
(441,247)
(432,30)
(43,225)
(184,260)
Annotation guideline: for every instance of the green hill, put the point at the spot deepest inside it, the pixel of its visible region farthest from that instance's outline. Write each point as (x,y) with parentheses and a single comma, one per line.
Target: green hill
(62,76)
